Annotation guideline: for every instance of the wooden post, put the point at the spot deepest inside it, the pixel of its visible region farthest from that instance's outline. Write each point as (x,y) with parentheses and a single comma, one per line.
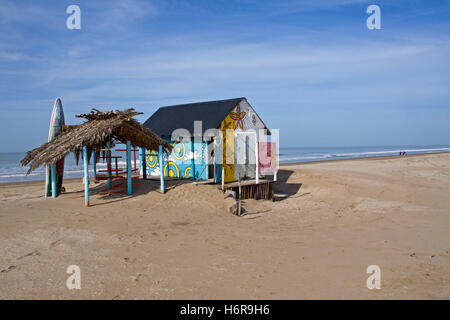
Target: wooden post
(239,199)
(223,176)
(130,184)
(53,174)
(207,158)
(94,164)
(86,177)
(134,158)
(108,163)
(257,159)
(192,160)
(216,176)
(143,164)
(161,169)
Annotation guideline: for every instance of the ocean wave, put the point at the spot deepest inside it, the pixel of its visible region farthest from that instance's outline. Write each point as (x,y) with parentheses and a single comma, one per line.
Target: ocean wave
(390,152)
(307,156)
(11,170)
(324,156)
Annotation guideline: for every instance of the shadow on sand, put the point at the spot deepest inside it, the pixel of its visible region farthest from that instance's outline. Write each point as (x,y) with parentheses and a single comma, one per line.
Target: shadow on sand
(119,191)
(284,190)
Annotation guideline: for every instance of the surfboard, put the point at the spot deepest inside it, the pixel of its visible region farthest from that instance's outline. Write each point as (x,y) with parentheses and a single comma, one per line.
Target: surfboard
(56,125)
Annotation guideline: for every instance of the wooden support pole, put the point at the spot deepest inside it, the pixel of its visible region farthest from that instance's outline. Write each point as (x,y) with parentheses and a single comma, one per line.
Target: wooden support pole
(94,164)
(143,164)
(257,159)
(223,176)
(134,158)
(161,169)
(108,163)
(192,160)
(239,199)
(207,160)
(86,177)
(215,159)
(48,173)
(53,175)
(130,184)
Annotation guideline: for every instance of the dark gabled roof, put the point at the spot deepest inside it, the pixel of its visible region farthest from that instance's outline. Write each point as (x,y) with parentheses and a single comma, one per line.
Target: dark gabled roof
(166,119)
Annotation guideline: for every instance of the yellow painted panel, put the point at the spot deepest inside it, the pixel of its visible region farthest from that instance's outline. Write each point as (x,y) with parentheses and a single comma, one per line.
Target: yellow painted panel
(228,148)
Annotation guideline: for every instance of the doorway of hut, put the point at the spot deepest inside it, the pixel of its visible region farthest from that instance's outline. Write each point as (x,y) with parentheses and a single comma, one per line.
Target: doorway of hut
(210,160)
(245,157)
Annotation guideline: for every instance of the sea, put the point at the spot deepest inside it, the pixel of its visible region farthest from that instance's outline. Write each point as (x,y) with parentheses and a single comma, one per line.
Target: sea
(12,171)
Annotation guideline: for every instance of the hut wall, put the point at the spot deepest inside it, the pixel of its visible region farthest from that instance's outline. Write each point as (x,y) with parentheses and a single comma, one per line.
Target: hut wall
(242,118)
(178,163)
(267,157)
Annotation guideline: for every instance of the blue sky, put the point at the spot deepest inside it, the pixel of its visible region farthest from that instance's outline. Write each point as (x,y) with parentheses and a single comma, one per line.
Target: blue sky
(310,68)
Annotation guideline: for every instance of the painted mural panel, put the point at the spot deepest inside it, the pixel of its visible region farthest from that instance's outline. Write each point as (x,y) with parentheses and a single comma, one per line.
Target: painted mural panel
(251,120)
(218,158)
(227,125)
(245,167)
(237,152)
(178,164)
(267,157)
(243,118)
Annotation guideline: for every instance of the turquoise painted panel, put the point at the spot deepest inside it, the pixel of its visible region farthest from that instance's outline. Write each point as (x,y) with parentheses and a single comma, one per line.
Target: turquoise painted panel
(178,164)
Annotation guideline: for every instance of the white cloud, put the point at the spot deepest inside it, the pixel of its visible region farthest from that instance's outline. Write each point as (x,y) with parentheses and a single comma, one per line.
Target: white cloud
(112,64)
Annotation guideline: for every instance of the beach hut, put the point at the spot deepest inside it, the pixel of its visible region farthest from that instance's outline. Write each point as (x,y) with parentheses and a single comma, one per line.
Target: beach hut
(99,132)
(238,143)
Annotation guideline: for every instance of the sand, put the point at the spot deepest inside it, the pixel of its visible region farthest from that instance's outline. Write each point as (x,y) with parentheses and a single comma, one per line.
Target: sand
(330,222)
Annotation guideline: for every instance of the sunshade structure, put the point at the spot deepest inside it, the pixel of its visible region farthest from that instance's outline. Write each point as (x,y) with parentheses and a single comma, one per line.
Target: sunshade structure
(98,132)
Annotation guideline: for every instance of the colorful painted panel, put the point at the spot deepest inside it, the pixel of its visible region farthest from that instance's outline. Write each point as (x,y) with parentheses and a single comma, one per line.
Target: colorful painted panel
(178,164)
(227,127)
(267,157)
(218,157)
(242,119)
(245,144)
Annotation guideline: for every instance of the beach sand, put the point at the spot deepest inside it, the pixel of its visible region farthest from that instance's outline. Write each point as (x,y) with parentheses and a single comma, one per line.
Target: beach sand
(330,222)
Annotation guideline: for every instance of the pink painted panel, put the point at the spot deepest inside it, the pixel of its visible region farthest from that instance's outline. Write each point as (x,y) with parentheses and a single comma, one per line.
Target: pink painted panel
(267,157)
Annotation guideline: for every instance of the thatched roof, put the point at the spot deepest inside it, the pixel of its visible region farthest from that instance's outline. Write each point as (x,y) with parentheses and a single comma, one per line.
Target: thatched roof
(100,128)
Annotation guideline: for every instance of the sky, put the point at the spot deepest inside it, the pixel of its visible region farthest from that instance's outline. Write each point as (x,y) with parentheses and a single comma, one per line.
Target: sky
(311,69)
